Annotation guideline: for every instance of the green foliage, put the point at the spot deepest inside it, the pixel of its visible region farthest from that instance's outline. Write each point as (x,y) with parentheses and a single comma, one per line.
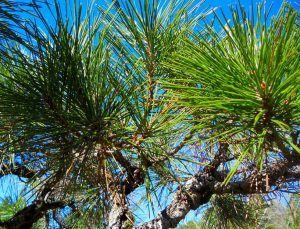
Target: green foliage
(10,21)
(86,98)
(293,218)
(81,92)
(231,212)
(241,85)
(84,220)
(9,207)
(7,17)
(281,215)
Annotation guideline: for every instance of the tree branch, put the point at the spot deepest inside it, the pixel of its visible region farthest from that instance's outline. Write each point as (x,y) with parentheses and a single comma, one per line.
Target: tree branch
(199,189)
(26,217)
(120,213)
(283,171)
(30,214)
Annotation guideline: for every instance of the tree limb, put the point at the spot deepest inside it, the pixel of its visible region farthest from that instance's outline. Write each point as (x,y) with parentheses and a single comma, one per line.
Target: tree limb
(26,217)
(30,214)
(120,213)
(199,189)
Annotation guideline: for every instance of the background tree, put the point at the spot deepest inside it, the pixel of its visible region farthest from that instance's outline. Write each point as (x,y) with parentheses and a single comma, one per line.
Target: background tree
(258,215)
(132,95)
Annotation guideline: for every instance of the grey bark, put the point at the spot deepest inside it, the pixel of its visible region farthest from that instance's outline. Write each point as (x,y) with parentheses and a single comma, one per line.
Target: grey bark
(199,189)
(119,217)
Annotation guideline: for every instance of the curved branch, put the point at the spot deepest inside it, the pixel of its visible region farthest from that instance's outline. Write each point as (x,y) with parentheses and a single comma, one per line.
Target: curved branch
(26,217)
(30,214)
(199,189)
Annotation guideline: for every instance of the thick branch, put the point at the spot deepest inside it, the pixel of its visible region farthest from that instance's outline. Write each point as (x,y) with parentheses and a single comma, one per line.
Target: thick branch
(283,171)
(29,215)
(119,214)
(199,189)
(26,217)
(135,175)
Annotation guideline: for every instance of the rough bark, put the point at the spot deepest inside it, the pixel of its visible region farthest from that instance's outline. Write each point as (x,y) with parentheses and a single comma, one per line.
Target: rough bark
(44,202)
(120,217)
(135,178)
(199,189)
(28,216)
(196,192)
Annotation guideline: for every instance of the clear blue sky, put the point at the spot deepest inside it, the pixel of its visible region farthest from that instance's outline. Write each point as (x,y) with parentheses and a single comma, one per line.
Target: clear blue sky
(221,4)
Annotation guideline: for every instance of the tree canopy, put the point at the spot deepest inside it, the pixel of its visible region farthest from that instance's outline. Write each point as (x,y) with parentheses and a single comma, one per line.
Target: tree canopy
(141,99)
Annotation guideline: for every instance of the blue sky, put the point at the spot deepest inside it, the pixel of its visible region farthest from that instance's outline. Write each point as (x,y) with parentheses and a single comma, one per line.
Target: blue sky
(11,185)
(220,4)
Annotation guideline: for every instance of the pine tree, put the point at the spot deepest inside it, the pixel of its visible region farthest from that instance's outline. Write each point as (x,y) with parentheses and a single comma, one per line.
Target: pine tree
(137,97)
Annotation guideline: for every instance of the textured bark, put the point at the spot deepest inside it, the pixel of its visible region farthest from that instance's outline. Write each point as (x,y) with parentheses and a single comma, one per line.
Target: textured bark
(196,192)
(120,217)
(44,202)
(28,216)
(256,183)
(199,189)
